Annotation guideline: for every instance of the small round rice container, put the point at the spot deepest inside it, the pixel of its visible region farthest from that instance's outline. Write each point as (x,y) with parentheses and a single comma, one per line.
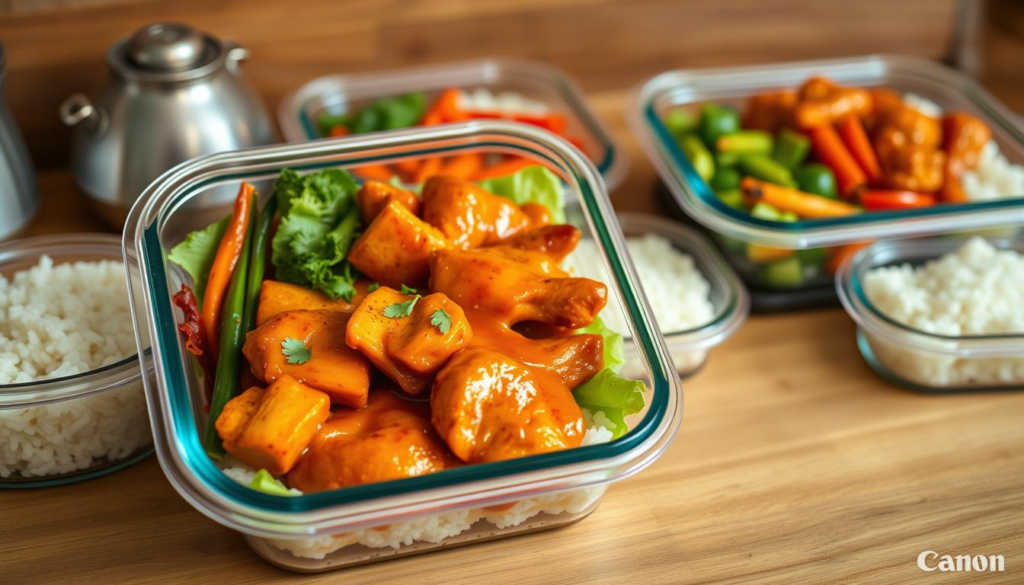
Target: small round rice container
(72,428)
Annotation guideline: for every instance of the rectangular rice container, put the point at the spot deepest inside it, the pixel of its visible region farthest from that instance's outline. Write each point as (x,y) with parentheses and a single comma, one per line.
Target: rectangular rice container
(328,530)
(301,110)
(815,240)
(922,360)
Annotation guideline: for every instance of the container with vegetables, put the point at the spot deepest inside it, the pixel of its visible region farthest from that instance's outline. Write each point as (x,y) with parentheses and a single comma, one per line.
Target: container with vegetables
(319,377)
(488,89)
(795,166)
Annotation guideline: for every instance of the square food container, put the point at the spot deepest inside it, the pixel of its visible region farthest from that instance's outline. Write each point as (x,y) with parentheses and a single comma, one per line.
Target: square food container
(63,430)
(807,273)
(328,530)
(917,359)
(339,94)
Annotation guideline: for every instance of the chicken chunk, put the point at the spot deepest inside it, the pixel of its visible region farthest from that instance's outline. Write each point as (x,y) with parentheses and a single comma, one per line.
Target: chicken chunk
(280,297)
(395,249)
(468,215)
(330,366)
(557,241)
(573,358)
(409,345)
(374,195)
(269,429)
(511,292)
(489,407)
(391,438)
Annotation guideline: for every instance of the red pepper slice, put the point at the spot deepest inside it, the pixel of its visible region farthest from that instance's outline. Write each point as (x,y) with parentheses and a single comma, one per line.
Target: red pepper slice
(197,341)
(881,200)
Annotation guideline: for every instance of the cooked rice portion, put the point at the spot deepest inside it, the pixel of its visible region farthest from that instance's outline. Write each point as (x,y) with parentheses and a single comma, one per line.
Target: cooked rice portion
(976,290)
(58,321)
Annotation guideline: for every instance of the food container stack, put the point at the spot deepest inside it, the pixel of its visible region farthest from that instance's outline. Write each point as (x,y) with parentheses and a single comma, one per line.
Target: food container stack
(795,167)
(295,509)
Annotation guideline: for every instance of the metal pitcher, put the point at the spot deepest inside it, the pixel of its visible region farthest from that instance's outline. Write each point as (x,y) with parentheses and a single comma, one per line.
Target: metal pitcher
(19,195)
(174,93)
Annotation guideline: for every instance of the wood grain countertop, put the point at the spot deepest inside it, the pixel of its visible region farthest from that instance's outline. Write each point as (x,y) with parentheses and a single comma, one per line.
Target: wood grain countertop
(795,463)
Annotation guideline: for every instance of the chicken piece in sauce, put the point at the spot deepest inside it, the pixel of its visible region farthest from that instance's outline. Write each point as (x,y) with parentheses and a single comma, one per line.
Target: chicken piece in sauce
(557,241)
(573,358)
(391,438)
(490,407)
(408,348)
(269,429)
(824,102)
(280,297)
(468,215)
(395,248)
(332,367)
(511,291)
(373,196)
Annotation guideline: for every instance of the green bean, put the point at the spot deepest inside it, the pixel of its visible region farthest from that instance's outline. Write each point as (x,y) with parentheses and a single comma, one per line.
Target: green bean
(700,157)
(232,335)
(766,169)
(258,263)
(791,148)
(746,142)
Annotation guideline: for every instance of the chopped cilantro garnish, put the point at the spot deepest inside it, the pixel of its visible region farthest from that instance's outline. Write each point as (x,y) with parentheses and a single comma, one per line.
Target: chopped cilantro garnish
(408,290)
(296,351)
(442,320)
(373,287)
(399,310)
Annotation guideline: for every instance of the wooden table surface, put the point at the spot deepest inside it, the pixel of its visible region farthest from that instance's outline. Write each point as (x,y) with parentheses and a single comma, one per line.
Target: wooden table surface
(795,463)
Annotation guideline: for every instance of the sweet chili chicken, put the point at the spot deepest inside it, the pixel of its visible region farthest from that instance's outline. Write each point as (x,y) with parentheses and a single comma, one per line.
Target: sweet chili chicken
(448,335)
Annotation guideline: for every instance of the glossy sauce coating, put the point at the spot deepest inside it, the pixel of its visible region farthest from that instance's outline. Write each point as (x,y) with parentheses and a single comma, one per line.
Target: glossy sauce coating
(391,438)
(468,215)
(395,248)
(334,368)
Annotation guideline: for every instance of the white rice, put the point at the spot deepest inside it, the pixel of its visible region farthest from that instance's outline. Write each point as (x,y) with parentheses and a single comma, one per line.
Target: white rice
(994,178)
(976,290)
(923,105)
(674,286)
(436,528)
(57,321)
(507,103)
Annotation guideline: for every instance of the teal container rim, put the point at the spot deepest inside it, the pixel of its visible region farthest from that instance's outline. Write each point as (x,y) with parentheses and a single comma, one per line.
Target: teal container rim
(297,125)
(695,196)
(177,439)
(873,320)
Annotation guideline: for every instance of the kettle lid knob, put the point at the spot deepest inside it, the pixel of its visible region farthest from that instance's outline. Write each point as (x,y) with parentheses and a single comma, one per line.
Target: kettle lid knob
(166,47)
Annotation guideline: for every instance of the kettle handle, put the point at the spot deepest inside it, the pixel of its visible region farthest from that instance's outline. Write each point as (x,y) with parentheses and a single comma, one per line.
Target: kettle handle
(235,55)
(77,109)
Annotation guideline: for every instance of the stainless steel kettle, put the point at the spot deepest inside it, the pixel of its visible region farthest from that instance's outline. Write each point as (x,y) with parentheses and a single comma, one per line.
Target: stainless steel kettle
(19,195)
(174,94)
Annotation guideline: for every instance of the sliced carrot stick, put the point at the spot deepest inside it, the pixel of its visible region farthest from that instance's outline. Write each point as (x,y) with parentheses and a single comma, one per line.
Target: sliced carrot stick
(446,108)
(408,166)
(851,130)
(376,172)
(841,253)
(428,168)
(503,168)
(339,131)
(831,151)
(463,165)
(224,261)
(553,122)
(803,204)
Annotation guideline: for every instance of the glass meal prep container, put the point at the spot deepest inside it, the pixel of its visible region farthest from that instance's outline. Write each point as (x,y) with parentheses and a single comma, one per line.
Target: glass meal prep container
(62,430)
(807,271)
(327,530)
(300,111)
(921,360)
(726,297)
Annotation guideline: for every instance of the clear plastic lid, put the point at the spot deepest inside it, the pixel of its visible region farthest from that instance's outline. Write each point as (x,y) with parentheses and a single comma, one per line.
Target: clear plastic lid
(338,94)
(167,211)
(935,82)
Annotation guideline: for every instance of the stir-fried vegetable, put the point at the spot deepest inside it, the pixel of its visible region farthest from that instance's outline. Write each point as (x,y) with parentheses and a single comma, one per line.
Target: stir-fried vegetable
(232,332)
(225,263)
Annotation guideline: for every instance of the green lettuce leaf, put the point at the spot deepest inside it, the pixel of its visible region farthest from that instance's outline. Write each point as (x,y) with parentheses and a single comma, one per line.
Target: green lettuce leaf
(614,350)
(535,184)
(266,483)
(613,395)
(319,222)
(195,254)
